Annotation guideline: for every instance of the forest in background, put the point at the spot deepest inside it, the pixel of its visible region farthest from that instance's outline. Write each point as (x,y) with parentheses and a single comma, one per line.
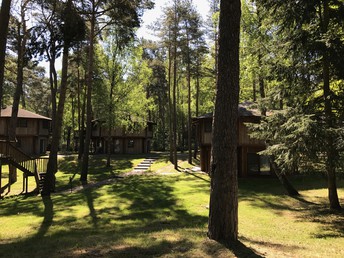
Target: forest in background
(290,62)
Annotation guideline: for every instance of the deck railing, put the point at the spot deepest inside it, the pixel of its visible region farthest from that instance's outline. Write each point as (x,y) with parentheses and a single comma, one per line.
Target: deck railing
(9,151)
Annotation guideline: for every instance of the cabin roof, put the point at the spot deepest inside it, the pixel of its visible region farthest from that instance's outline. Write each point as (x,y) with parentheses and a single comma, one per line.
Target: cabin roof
(244,110)
(22,113)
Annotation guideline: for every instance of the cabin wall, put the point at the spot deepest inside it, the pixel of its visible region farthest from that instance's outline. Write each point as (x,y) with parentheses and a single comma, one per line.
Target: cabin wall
(3,127)
(26,144)
(32,134)
(122,145)
(31,127)
(249,162)
(244,137)
(100,131)
(133,146)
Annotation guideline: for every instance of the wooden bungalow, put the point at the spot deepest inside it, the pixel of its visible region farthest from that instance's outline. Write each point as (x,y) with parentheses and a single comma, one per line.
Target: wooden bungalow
(32,131)
(122,141)
(250,163)
(32,134)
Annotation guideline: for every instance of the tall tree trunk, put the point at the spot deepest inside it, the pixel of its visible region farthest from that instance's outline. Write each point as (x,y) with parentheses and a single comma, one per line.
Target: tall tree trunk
(82,128)
(254,87)
(223,213)
(261,82)
(331,151)
(175,159)
(85,158)
(4,20)
(73,124)
(283,179)
(189,103)
(197,108)
(110,126)
(49,182)
(53,87)
(21,39)
(170,115)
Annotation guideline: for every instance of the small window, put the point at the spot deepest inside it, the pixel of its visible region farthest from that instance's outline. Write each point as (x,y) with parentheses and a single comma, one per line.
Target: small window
(22,123)
(131,144)
(45,124)
(208,126)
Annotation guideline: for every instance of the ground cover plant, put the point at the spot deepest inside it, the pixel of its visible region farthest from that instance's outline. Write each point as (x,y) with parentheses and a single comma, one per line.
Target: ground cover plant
(164,213)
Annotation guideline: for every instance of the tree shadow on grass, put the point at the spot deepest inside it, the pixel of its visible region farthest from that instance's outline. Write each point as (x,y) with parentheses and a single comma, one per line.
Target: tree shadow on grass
(241,250)
(48,216)
(142,208)
(197,176)
(316,210)
(87,191)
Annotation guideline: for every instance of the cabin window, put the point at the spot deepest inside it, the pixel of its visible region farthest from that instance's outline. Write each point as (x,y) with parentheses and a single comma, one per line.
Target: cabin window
(208,127)
(45,124)
(131,144)
(22,123)
(117,146)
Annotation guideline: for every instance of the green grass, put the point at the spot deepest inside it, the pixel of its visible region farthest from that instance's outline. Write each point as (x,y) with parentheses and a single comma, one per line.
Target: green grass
(70,167)
(165,215)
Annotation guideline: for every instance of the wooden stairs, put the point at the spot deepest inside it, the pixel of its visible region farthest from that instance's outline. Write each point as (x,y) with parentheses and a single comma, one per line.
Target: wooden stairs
(31,167)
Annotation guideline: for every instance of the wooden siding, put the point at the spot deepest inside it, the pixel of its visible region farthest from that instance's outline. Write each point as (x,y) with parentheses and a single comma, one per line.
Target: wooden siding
(246,144)
(29,137)
(136,148)
(100,131)
(244,137)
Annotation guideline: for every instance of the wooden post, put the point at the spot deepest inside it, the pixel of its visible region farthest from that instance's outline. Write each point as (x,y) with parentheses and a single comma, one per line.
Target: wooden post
(12,177)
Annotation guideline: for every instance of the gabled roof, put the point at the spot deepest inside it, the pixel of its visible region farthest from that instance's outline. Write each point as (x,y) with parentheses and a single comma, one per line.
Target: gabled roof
(244,110)
(22,113)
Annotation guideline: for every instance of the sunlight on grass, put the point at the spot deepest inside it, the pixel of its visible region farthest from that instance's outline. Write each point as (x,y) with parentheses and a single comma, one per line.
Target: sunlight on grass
(166,215)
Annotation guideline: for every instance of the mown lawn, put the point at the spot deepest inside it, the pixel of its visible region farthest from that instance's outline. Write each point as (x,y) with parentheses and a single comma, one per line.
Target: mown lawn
(164,214)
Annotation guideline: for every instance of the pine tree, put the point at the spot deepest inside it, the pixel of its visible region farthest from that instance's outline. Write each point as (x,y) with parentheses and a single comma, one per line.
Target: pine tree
(309,41)
(223,209)
(4,21)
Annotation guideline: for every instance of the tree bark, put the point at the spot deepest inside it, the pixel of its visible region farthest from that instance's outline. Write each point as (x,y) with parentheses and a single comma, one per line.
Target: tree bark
(85,158)
(111,108)
(4,20)
(175,159)
(82,127)
(284,180)
(189,101)
(223,213)
(331,151)
(21,39)
(197,108)
(170,116)
(49,182)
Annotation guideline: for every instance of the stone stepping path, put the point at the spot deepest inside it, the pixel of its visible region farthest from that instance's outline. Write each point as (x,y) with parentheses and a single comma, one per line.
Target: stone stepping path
(145,164)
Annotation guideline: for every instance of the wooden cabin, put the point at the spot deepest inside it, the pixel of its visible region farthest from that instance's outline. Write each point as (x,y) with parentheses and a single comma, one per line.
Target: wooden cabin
(250,163)
(122,141)
(32,131)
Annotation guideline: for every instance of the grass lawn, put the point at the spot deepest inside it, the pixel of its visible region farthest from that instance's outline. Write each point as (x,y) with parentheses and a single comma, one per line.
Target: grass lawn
(164,214)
